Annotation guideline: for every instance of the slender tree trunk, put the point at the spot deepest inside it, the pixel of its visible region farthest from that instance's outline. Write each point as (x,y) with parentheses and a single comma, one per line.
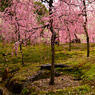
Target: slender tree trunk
(88,51)
(21,53)
(52,44)
(58,37)
(69,42)
(75,36)
(85,28)
(21,50)
(69,37)
(25,36)
(20,46)
(53,60)
(87,38)
(12,38)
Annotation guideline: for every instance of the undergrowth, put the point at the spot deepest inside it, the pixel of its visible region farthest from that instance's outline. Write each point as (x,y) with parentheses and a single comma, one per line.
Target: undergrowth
(36,55)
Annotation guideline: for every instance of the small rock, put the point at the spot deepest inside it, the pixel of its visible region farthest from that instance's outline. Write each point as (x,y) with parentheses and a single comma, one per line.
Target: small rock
(77,79)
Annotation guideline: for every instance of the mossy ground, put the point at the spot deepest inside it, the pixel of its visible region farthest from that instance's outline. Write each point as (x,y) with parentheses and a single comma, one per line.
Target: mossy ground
(34,55)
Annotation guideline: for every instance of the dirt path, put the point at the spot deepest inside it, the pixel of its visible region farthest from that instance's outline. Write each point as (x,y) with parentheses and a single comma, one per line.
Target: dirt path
(61,82)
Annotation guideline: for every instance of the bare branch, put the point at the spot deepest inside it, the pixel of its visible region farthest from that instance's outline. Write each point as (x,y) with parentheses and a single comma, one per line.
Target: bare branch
(41,27)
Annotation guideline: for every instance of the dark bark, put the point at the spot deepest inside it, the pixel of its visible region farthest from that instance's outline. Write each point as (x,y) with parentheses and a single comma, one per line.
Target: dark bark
(75,36)
(76,40)
(20,45)
(69,37)
(87,38)
(12,38)
(52,44)
(69,43)
(58,37)
(21,53)
(85,28)
(53,60)
(26,38)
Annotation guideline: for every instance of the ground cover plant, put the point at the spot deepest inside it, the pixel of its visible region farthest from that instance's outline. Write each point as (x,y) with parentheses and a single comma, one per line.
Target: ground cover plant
(77,79)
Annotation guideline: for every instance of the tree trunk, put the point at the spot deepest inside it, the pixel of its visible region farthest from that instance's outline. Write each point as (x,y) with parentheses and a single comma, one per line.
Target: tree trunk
(69,43)
(87,38)
(88,51)
(21,53)
(85,28)
(52,44)
(75,36)
(69,40)
(20,46)
(58,37)
(25,37)
(69,37)
(53,60)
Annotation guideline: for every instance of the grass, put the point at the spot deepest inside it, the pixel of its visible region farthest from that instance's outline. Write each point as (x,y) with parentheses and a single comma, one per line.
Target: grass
(82,67)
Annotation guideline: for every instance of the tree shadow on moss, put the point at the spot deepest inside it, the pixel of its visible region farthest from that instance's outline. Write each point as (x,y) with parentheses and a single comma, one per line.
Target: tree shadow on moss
(74,71)
(62,56)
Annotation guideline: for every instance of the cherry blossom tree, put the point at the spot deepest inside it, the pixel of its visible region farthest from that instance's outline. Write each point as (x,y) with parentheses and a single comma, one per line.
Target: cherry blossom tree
(77,14)
(65,17)
(85,8)
(21,18)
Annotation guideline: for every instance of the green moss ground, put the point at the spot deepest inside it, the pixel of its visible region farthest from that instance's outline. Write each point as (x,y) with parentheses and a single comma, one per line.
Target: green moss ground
(82,67)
